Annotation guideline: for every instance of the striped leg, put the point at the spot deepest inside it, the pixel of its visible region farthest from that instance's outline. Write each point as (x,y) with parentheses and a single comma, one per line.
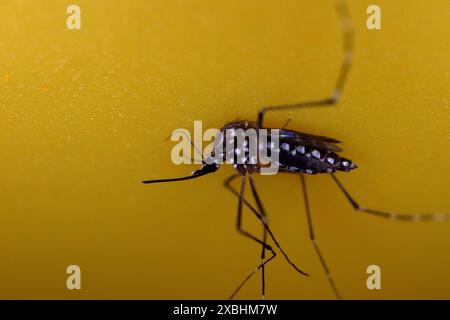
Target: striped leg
(265,222)
(314,241)
(263,242)
(347,30)
(227,184)
(390,215)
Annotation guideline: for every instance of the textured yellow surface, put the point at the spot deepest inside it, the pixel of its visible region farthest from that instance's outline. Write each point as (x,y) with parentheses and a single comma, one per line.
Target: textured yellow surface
(84,116)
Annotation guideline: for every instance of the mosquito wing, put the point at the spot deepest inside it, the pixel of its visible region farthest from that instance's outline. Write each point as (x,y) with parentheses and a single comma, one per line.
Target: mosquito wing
(319,142)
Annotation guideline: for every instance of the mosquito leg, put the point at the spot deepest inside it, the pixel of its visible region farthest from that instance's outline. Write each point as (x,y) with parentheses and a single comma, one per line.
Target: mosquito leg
(263,262)
(265,222)
(264,241)
(227,184)
(247,234)
(314,241)
(249,276)
(263,218)
(390,215)
(239,217)
(260,217)
(347,30)
(263,259)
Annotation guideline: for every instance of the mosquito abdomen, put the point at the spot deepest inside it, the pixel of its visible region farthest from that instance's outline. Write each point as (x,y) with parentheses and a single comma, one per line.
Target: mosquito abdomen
(310,160)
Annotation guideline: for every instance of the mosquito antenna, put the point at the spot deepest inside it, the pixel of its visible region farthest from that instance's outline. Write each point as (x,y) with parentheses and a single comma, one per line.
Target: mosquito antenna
(206,169)
(184,157)
(192,144)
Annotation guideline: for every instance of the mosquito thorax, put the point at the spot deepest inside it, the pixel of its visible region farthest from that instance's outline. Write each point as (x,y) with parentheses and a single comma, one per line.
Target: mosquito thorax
(237,144)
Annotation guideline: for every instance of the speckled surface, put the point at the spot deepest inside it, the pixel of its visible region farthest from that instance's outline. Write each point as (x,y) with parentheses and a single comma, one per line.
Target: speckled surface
(84,116)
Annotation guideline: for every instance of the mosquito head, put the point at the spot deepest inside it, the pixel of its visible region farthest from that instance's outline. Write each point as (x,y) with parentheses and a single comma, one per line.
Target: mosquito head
(206,168)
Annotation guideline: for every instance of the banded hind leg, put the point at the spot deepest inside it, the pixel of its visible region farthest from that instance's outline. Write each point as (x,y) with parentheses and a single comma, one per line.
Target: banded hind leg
(387,214)
(312,237)
(347,30)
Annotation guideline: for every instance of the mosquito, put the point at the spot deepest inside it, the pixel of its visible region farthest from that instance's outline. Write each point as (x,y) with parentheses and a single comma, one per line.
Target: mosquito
(300,154)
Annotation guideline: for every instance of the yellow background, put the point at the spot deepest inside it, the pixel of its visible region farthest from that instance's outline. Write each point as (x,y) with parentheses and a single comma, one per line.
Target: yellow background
(84,116)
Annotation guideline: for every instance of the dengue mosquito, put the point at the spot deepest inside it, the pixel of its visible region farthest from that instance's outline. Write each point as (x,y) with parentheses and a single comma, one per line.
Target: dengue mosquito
(300,153)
